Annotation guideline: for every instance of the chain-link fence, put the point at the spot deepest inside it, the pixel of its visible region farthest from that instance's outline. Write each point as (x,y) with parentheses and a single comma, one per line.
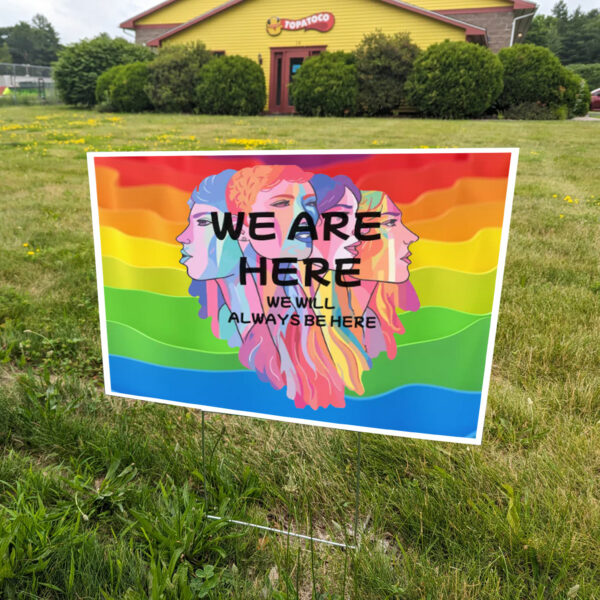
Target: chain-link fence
(17,70)
(26,84)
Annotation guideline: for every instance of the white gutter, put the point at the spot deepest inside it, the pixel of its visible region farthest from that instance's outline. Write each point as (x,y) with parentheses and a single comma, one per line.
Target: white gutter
(514,24)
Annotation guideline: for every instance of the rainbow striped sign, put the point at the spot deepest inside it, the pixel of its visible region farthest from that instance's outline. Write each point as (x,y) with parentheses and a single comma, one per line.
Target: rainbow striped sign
(349,289)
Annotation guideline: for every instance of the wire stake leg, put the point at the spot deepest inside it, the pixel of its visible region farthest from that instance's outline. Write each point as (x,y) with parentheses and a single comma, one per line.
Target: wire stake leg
(204,482)
(357,499)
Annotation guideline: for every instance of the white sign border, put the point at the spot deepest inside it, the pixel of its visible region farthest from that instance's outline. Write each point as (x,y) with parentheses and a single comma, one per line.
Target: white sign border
(510,188)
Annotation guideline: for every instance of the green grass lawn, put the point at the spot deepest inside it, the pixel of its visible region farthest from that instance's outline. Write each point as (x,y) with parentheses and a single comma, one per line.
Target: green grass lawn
(104,498)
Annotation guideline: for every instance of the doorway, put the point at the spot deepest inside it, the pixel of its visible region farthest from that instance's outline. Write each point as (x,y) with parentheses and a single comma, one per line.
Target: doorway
(285,62)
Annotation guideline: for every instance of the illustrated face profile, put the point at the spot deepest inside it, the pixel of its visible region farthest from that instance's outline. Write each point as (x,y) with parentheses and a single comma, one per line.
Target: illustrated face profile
(336,195)
(386,259)
(203,254)
(287,200)
(284,191)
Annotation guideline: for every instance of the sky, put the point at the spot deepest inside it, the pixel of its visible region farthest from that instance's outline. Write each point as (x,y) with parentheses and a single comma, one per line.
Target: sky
(76,19)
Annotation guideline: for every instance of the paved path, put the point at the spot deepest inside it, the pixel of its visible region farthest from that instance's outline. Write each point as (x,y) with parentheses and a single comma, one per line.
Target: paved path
(588,118)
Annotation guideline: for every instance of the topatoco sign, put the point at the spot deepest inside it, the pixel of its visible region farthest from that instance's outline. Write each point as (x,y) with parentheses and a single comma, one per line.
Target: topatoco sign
(322,21)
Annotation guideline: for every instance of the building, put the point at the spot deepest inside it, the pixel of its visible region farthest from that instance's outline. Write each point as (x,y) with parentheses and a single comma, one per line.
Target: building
(279,36)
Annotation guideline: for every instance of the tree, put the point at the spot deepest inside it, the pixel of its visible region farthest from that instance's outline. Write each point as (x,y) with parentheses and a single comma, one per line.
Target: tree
(544,32)
(80,64)
(561,11)
(574,38)
(5,56)
(36,44)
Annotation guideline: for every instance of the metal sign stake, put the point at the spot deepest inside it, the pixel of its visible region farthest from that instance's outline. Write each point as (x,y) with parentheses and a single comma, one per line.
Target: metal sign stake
(281,531)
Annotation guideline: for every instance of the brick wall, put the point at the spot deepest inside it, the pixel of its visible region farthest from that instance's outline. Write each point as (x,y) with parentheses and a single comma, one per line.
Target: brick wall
(145,34)
(498,25)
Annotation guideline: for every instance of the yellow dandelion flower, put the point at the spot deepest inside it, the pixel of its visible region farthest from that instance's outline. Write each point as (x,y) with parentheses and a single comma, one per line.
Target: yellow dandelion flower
(30,253)
(25,244)
(562,216)
(555,195)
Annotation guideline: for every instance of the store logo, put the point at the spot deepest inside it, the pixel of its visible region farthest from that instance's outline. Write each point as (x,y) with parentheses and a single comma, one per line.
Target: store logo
(322,21)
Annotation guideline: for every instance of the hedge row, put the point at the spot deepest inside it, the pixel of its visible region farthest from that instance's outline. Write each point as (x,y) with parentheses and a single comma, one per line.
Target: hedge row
(385,75)
(448,80)
(117,75)
(185,79)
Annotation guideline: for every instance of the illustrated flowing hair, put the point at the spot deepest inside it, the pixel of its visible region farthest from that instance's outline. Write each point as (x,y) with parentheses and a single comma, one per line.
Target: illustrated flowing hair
(388,297)
(245,185)
(266,361)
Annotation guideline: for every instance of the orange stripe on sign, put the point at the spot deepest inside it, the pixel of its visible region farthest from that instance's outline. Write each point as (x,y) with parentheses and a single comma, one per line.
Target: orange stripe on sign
(167,202)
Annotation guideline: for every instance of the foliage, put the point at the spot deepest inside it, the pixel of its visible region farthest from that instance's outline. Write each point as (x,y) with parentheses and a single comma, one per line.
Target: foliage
(544,32)
(590,72)
(531,74)
(455,80)
(533,111)
(5,56)
(231,85)
(104,84)
(35,44)
(326,85)
(574,38)
(174,75)
(383,63)
(79,66)
(122,88)
(577,95)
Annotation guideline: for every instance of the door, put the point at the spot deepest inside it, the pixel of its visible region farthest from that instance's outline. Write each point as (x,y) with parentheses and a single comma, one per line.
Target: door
(285,63)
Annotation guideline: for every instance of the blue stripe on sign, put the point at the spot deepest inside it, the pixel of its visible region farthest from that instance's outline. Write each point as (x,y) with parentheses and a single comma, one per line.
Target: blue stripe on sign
(417,408)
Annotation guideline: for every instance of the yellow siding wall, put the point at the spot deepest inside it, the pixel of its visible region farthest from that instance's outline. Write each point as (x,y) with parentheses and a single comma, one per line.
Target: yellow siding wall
(242,29)
(460,4)
(180,11)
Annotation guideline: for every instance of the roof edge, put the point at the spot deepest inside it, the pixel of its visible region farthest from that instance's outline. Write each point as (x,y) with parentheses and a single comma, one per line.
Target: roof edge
(157,40)
(525,4)
(468,28)
(130,23)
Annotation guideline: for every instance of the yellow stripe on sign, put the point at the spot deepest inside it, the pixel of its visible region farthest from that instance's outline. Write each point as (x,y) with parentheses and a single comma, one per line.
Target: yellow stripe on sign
(139,251)
(477,255)
(169,282)
(466,292)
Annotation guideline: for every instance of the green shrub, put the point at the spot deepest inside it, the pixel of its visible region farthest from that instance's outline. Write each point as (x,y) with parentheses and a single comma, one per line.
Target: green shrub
(577,95)
(174,75)
(590,72)
(534,111)
(128,92)
(79,65)
(383,63)
(231,85)
(531,74)
(326,85)
(454,80)
(104,83)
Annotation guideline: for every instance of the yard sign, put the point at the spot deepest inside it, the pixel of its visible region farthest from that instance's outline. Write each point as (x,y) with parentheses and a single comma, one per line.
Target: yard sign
(349,289)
